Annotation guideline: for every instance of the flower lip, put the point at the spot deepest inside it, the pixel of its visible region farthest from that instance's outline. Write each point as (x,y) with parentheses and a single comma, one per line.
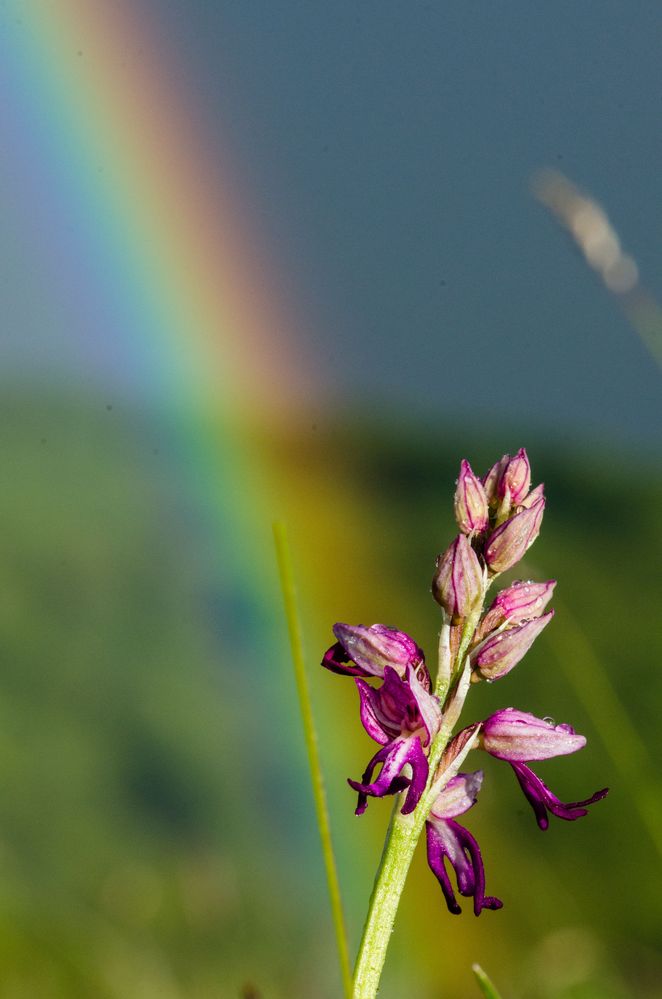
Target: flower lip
(542,800)
(394,757)
(448,840)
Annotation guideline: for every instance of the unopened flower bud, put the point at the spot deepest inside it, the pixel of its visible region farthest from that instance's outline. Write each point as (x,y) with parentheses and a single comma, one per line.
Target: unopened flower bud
(518,603)
(518,736)
(501,652)
(533,496)
(516,478)
(523,601)
(506,546)
(458,582)
(471,512)
(492,480)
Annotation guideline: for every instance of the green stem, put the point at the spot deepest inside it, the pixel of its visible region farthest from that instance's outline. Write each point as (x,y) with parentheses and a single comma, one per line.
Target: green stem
(399,847)
(401,839)
(312,749)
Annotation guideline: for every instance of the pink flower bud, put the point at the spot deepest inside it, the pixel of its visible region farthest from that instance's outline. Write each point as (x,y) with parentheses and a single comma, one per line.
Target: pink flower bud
(492,481)
(533,496)
(501,652)
(471,512)
(506,546)
(518,736)
(458,582)
(523,601)
(516,478)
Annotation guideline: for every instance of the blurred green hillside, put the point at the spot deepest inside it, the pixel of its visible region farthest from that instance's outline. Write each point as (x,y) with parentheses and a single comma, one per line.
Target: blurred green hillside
(156,829)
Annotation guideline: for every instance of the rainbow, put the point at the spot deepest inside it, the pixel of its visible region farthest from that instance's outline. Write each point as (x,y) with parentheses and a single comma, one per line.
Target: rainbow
(141,248)
(139,238)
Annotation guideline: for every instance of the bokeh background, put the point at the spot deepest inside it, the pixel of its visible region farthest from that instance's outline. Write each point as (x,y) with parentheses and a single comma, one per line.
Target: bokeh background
(268,261)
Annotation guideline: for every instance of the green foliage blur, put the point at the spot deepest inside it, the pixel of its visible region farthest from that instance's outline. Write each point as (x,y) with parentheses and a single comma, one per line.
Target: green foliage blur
(157,834)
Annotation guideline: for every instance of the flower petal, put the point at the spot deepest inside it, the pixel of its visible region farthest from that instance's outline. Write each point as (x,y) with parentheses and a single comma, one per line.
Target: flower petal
(377,646)
(447,839)
(393,758)
(428,705)
(337,660)
(459,795)
(371,717)
(543,800)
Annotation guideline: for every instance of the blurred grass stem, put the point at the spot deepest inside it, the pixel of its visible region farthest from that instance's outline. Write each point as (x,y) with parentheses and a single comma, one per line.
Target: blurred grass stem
(484,983)
(312,749)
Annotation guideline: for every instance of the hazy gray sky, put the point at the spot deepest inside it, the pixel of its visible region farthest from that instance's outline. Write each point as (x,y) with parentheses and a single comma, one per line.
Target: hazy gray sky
(387,150)
(390,146)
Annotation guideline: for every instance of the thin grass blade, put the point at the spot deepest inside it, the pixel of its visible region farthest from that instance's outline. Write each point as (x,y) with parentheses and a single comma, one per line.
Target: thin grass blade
(484,983)
(312,750)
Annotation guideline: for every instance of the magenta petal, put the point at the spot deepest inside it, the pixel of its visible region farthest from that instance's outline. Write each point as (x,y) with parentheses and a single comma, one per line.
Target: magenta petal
(436,857)
(393,758)
(337,660)
(370,716)
(428,706)
(543,800)
(447,839)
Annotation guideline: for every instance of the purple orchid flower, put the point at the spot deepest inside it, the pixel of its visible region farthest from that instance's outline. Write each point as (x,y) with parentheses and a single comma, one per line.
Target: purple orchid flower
(404,718)
(448,840)
(367,651)
(519,737)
